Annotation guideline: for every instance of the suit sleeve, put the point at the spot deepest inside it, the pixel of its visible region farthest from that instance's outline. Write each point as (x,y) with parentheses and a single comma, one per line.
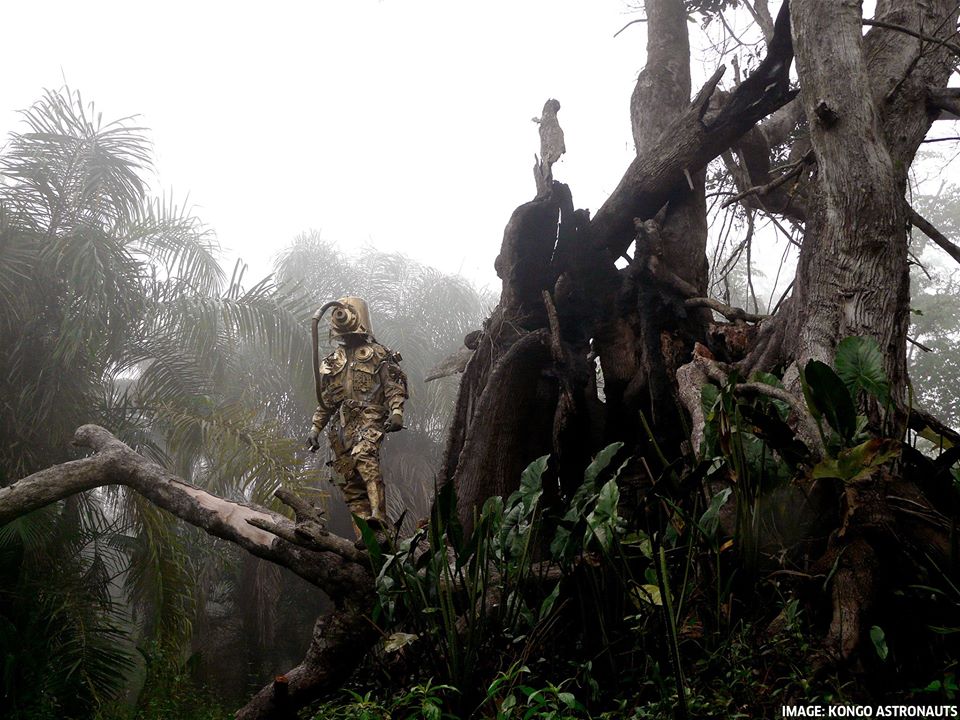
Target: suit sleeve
(394,385)
(329,402)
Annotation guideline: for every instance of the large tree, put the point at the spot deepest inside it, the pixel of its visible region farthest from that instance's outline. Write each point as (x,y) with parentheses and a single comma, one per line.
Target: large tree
(627,289)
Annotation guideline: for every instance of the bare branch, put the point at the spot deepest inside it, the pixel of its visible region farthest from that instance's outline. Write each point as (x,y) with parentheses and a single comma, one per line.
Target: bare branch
(632,22)
(340,640)
(336,567)
(918,344)
(945,99)
(796,170)
(695,138)
(942,241)
(761,15)
(806,426)
(952,47)
(728,311)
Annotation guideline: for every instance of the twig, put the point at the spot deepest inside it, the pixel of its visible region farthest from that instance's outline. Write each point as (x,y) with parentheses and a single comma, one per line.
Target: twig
(773,184)
(952,47)
(632,22)
(749,238)
(783,297)
(761,15)
(728,311)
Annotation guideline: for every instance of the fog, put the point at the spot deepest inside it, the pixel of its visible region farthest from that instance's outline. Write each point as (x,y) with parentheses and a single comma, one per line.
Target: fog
(405,125)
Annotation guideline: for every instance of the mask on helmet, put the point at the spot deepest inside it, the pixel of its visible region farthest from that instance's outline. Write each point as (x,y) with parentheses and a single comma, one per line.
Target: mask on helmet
(350,316)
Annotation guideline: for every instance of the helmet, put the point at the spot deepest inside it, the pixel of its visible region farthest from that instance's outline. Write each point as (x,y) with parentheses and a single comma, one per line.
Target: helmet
(350,316)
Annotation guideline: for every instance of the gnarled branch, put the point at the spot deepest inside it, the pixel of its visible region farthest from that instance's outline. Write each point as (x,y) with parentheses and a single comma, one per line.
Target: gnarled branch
(335,568)
(693,140)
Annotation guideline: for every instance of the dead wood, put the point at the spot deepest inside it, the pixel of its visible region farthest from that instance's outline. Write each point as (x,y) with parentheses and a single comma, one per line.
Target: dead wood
(331,563)
(694,139)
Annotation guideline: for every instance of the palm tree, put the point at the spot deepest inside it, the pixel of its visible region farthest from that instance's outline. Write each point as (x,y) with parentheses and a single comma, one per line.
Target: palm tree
(115,310)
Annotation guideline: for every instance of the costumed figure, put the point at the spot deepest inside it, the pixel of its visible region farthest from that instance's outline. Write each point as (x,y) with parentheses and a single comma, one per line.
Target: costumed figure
(360,390)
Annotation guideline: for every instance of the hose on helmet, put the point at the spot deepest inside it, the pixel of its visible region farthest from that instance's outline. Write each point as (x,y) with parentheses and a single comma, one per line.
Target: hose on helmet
(315,335)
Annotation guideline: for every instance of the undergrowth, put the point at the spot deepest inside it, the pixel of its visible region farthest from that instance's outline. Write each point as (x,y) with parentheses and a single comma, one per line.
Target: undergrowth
(703,604)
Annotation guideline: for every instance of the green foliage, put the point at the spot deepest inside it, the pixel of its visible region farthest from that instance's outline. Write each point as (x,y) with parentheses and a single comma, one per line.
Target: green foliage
(879,640)
(476,598)
(858,462)
(66,648)
(580,527)
(508,697)
(860,365)
(439,580)
(170,690)
(827,397)
(115,311)
(420,701)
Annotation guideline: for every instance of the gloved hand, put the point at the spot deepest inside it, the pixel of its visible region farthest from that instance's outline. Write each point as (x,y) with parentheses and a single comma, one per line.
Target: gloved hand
(313,439)
(395,422)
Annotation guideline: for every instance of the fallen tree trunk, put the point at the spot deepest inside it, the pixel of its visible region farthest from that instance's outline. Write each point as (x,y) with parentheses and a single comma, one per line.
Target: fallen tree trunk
(332,563)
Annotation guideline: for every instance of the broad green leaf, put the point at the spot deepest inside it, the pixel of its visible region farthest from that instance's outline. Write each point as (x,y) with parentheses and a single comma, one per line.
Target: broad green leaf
(640,540)
(828,396)
(531,483)
(708,397)
(859,364)
(548,602)
(858,462)
(767,379)
(445,519)
(369,538)
(602,522)
(711,517)
(601,461)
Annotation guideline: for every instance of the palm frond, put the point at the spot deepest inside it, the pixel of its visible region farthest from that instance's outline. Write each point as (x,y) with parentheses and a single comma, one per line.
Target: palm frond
(70,169)
(164,233)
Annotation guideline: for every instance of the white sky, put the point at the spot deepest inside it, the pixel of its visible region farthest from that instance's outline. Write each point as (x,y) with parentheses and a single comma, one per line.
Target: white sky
(400,123)
(403,124)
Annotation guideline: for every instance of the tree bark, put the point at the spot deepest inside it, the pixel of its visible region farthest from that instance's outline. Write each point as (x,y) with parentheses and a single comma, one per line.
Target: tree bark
(852,277)
(339,643)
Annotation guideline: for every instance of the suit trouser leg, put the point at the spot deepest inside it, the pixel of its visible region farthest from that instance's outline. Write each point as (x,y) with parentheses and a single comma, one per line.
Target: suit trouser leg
(367,458)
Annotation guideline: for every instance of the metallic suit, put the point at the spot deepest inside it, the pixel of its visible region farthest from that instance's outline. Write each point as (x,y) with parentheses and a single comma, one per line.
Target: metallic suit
(360,390)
